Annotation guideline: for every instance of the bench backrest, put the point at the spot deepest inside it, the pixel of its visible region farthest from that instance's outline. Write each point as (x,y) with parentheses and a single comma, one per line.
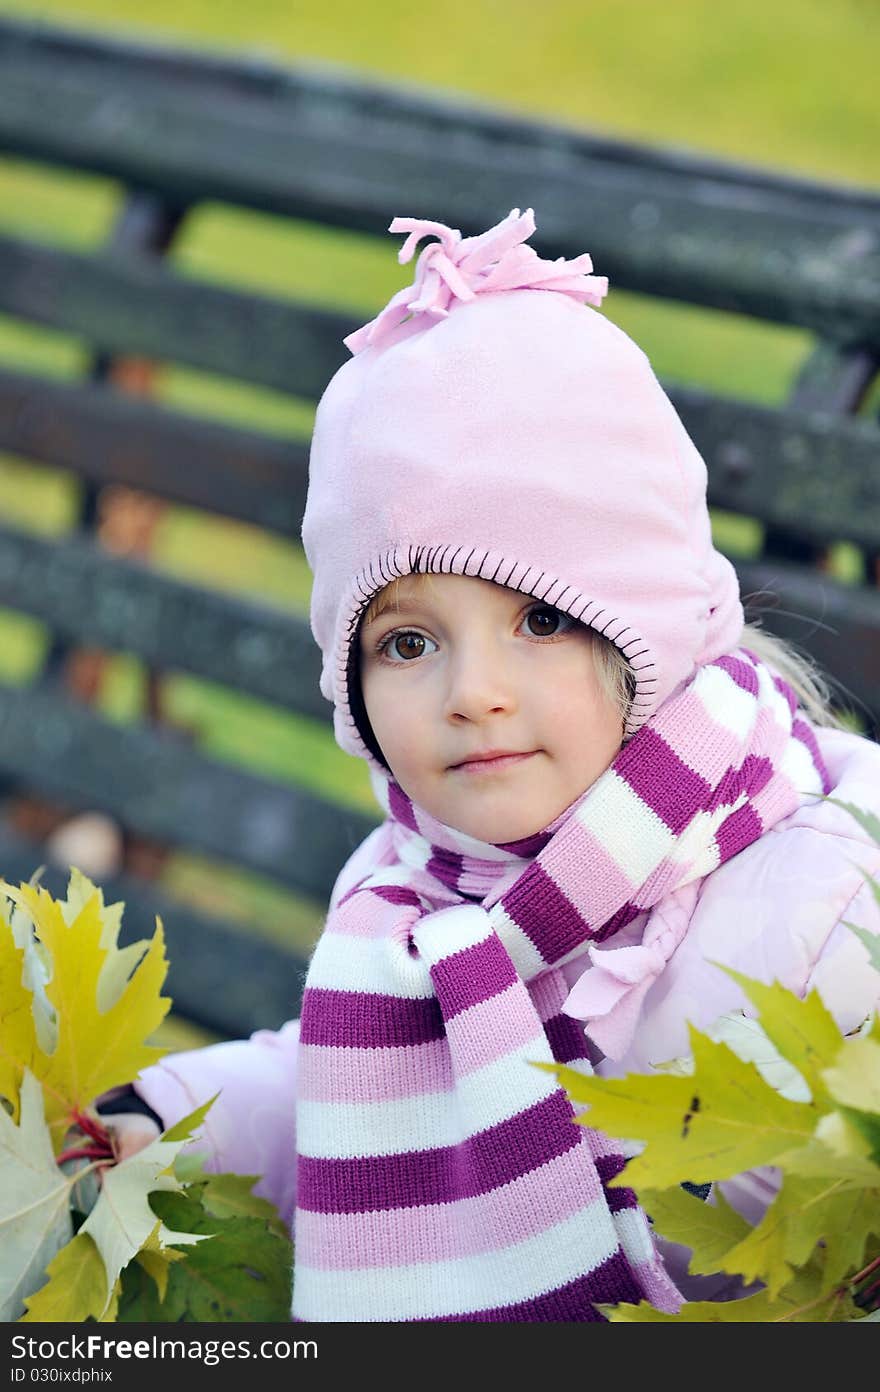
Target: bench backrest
(179,130)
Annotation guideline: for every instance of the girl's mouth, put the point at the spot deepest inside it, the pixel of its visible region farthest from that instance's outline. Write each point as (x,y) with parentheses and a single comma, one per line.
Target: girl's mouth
(481,767)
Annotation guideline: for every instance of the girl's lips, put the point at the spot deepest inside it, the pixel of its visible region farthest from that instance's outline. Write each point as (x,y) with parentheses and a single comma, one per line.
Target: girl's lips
(486,766)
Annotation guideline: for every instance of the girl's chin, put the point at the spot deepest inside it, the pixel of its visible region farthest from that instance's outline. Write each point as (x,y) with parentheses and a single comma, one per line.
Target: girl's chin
(496,831)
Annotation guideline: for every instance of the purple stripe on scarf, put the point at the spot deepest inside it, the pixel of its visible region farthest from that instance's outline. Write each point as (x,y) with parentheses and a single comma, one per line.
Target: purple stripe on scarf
(737,831)
(624,915)
(742,673)
(662,781)
(366,1020)
(566,1038)
(756,773)
(609,1284)
(444,1174)
(609,1167)
(472,975)
(394,894)
(802,731)
(728,790)
(446,866)
(785,690)
(537,904)
(528,846)
(400,806)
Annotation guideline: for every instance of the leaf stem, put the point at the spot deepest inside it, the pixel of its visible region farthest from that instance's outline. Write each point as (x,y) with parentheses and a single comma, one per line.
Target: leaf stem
(87,1152)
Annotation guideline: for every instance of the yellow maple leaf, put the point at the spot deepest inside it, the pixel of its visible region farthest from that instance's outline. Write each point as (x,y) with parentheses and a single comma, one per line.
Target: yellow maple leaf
(76,1289)
(156,1259)
(105,1006)
(18,1036)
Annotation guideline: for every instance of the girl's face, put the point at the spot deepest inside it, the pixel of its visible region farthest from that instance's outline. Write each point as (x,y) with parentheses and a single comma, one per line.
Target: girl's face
(463,667)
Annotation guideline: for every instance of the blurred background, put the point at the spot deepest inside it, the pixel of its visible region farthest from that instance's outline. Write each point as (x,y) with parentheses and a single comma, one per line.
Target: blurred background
(787,87)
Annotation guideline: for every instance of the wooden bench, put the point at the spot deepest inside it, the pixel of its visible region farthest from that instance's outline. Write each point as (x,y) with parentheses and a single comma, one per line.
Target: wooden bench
(178,130)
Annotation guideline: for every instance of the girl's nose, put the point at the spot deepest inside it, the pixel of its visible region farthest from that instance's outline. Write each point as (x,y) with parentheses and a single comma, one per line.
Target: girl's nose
(479,685)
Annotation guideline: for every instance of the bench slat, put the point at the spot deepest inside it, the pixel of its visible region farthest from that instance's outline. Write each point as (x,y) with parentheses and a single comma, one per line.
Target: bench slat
(139,305)
(159,786)
(322,96)
(219,976)
(692,230)
(808,470)
(107,436)
(100,600)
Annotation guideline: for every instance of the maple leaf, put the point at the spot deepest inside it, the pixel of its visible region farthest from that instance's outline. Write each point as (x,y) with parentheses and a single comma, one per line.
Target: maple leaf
(804,1300)
(35,971)
(104,1009)
(722,1120)
(18,1036)
(854,1083)
(35,1219)
(77,1285)
(229,1196)
(121,1226)
(708,1229)
(75,1010)
(804,1032)
(804,1213)
(242,1273)
(122,1221)
(156,1260)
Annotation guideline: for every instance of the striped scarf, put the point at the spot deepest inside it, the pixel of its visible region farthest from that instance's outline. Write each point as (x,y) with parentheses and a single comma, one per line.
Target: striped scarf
(440,1177)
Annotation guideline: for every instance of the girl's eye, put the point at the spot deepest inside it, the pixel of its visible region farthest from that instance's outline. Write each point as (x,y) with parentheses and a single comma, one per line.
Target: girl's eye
(403,645)
(546,622)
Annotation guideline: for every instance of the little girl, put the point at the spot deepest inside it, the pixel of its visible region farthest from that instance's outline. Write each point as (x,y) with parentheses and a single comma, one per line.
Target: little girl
(596,781)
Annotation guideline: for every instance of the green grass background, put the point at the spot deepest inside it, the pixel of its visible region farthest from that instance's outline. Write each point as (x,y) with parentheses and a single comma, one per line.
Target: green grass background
(789,86)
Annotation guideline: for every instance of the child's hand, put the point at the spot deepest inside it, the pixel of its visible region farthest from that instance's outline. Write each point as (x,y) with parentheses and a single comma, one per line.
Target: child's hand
(109,1132)
(95,1145)
(129,1133)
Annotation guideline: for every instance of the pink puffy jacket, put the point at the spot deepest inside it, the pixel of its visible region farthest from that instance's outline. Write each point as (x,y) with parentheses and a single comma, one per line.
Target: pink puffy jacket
(774,911)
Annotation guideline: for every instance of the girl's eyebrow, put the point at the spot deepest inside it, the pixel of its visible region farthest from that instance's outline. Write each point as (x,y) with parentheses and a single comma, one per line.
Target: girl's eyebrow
(401,607)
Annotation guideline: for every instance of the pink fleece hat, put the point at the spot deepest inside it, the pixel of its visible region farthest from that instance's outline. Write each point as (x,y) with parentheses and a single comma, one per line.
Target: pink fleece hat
(490,424)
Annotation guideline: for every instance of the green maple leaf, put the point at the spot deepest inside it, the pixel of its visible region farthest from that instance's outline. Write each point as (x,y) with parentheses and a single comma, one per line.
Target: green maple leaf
(838,1151)
(241,1273)
(710,1230)
(804,1213)
(802,1301)
(712,1125)
(803,1031)
(854,1083)
(229,1196)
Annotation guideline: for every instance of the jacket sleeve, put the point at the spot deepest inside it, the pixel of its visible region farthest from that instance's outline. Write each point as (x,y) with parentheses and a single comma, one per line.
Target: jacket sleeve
(251,1127)
(841,972)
